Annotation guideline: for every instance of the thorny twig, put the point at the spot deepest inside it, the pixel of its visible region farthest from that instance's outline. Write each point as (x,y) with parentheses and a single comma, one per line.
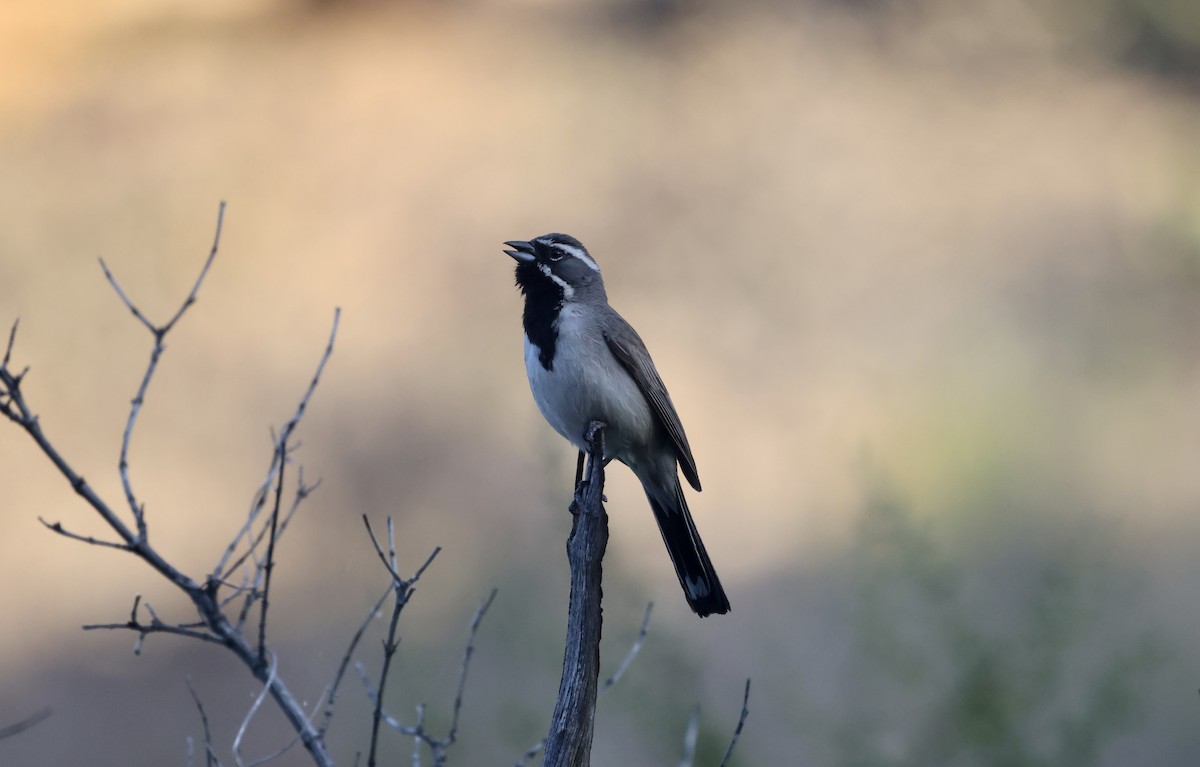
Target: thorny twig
(214,625)
(56,527)
(438,747)
(402,589)
(282,451)
(155,626)
(12,337)
(160,334)
(300,495)
(346,657)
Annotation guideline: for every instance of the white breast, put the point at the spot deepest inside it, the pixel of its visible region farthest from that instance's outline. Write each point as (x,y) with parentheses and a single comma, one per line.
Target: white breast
(587,383)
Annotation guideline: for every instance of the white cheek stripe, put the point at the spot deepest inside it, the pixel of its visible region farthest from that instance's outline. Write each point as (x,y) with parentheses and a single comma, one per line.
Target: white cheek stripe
(568,291)
(579,253)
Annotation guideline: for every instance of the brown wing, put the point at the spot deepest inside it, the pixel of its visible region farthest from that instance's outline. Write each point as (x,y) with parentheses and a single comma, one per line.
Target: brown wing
(627,347)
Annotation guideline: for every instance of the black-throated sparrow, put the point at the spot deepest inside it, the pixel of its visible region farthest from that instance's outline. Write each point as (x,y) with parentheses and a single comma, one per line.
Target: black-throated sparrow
(585,363)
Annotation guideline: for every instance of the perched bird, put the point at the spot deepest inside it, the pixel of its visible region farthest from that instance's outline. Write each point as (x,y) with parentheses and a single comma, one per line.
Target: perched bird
(586,363)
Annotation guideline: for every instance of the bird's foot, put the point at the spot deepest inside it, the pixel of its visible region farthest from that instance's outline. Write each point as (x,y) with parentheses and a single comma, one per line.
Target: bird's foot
(580,489)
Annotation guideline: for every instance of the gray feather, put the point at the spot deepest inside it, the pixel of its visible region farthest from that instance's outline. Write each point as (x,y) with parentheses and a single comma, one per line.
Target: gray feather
(627,346)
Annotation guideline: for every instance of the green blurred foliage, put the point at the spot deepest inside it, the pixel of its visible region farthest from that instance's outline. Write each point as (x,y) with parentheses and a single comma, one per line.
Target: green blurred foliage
(1162,35)
(939,681)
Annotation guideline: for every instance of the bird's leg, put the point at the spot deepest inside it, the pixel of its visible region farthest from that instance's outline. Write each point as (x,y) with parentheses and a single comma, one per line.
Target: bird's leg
(574,508)
(594,437)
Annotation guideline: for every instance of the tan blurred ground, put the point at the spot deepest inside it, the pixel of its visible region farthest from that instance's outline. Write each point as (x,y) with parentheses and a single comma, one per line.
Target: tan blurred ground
(959,250)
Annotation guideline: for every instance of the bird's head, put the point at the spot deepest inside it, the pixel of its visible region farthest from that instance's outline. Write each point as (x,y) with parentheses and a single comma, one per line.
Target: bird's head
(556,267)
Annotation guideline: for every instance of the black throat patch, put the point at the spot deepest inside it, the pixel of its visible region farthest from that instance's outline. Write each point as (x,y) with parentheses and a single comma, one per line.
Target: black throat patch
(543,302)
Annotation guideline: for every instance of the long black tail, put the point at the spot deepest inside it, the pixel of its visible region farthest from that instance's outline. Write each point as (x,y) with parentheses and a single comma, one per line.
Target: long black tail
(696,574)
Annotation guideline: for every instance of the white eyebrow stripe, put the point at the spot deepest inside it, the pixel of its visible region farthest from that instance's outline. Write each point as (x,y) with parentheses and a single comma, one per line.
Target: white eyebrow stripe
(568,291)
(579,253)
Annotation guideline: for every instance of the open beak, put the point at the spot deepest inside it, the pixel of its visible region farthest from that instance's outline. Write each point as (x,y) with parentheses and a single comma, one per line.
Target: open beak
(521,250)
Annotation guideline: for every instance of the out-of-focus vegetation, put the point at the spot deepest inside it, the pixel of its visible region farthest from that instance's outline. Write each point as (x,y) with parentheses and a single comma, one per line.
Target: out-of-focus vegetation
(956,242)
(938,676)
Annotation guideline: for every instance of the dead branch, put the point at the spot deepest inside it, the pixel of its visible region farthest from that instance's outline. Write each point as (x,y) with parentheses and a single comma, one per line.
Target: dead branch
(569,742)
(609,683)
(214,624)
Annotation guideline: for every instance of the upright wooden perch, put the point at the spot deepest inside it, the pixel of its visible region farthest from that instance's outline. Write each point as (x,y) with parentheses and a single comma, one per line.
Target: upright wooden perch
(569,743)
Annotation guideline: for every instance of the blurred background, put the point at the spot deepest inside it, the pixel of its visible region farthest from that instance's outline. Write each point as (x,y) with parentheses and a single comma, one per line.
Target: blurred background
(923,278)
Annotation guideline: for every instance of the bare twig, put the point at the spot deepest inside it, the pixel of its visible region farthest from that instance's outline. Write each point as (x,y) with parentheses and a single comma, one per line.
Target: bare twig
(282,447)
(303,490)
(191,296)
(737,732)
(377,714)
(237,740)
(156,626)
(160,334)
(210,754)
(402,590)
(214,625)
(291,743)
(452,735)
(389,559)
(438,747)
(145,629)
(132,307)
(269,564)
(331,701)
(249,588)
(12,338)
(416,752)
(690,736)
(224,569)
(533,751)
(634,649)
(57,527)
(32,720)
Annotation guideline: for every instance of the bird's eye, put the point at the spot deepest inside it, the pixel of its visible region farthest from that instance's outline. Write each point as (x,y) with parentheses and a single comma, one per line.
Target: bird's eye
(555,255)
